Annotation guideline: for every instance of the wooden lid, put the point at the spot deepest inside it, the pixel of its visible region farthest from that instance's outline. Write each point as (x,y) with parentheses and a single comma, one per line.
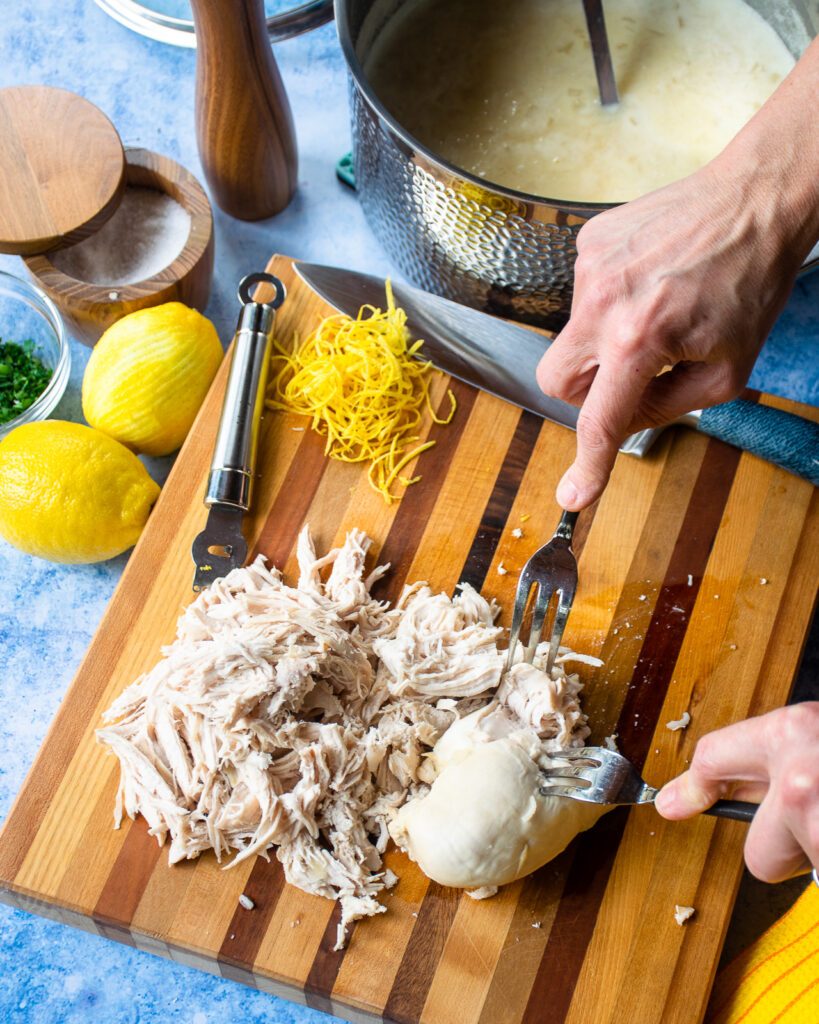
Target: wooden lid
(62,169)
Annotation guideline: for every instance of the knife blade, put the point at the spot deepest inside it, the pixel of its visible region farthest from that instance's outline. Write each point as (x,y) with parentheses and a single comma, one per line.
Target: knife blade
(501,357)
(491,354)
(495,355)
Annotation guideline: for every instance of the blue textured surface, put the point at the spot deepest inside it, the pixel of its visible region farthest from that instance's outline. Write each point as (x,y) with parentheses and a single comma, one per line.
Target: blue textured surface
(49,973)
(789,441)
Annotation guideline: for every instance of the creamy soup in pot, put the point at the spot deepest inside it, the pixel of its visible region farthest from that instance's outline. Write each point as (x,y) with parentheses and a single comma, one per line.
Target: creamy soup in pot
(507,91)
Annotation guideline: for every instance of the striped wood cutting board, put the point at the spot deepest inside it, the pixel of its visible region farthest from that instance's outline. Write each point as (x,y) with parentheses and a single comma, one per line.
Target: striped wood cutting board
(671,598)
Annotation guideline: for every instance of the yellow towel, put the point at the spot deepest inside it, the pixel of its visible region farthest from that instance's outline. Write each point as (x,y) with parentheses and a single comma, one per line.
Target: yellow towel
(776,979)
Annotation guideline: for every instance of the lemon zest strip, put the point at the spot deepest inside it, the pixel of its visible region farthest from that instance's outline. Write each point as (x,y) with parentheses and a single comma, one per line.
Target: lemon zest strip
(363,384)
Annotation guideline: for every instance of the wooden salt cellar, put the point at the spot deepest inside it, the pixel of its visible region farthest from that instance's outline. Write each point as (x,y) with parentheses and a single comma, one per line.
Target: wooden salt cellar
(244,125)
(90,308)
(62,169)
(63,173)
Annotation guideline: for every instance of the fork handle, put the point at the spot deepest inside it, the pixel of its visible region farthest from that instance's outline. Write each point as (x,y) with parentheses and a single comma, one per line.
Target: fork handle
(565,528)
(739,810)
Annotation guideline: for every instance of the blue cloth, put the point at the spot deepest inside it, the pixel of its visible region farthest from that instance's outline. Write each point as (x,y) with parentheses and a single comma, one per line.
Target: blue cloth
(48,613)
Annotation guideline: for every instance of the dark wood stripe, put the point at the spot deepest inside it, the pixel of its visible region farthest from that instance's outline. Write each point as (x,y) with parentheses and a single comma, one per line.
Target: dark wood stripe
(675,602)
(586,881)
(326,964)
(130,874)
(416,505)
(420,960)
(412,982)
(289,509)
(399,548)
(247,928)
(507,483)
(595,851)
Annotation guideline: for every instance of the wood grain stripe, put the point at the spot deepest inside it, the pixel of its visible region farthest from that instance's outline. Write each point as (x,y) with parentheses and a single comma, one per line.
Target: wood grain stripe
(278,535)
(415,507)
(246,930)
(666,632)
(125,884)
(421,957)
(588,876)
(326,965)
(501,500)
(412,983)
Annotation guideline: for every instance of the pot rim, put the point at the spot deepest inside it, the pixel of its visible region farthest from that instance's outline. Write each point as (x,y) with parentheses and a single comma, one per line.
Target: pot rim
(362,83)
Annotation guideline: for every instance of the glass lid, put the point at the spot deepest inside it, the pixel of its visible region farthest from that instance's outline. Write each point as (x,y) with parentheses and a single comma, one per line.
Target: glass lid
(170,21)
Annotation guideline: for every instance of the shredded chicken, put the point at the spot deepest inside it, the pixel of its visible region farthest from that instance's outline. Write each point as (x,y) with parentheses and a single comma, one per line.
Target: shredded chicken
(679,723)
(484,893)
(682,914)
(299,717)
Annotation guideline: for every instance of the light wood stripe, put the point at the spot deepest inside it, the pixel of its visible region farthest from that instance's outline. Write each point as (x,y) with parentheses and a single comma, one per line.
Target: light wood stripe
(501,500)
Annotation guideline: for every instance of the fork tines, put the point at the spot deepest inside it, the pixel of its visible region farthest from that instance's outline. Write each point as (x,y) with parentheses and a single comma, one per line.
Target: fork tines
(551,570)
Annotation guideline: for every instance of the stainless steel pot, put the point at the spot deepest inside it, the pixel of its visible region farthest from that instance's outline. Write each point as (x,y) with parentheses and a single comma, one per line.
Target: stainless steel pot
(452,233)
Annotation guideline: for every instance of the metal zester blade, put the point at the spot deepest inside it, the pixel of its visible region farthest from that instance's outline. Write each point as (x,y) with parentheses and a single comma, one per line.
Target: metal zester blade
(221,546)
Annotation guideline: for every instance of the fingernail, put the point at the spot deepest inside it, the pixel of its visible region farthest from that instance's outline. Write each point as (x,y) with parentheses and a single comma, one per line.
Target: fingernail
(664,801)
(567,493)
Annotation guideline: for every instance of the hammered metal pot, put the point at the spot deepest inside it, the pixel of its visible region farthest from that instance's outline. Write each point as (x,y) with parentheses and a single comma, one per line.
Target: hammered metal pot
(455,234)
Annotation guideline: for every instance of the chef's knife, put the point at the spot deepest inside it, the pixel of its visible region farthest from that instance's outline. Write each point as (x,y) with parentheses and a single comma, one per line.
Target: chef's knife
(501,357)
(221,546)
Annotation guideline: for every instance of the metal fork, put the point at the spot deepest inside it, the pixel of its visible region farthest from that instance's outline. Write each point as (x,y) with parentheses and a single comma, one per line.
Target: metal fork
(602,776)
(552,569)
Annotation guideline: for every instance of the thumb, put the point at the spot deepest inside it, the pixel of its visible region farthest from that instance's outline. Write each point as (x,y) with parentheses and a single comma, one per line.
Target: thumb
(687,386)
(736,753)
(686,796)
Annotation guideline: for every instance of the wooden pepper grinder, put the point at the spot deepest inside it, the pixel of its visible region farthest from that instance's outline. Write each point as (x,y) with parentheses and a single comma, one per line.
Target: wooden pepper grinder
(244,126)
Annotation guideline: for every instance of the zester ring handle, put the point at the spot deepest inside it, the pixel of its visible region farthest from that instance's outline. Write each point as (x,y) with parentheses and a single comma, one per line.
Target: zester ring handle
(230,482)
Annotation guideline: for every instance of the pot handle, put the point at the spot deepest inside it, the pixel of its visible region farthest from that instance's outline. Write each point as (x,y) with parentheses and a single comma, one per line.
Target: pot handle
(300,19)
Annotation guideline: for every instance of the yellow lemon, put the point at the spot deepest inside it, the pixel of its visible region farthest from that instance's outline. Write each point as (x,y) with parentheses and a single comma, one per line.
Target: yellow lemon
(148,375)
(70,494)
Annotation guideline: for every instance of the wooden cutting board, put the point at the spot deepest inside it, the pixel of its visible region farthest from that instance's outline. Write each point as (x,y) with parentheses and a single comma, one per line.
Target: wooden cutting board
(698,570)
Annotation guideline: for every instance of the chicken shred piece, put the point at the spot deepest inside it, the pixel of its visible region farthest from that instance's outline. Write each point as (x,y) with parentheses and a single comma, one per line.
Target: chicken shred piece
(299,717)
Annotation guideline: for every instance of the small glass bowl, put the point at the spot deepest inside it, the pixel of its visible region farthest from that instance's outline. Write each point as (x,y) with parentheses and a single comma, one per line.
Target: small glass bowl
(26,313)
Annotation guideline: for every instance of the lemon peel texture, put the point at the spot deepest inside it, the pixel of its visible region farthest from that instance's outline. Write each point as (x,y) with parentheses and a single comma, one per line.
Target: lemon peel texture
(362,385)
(69,493)
(149,374)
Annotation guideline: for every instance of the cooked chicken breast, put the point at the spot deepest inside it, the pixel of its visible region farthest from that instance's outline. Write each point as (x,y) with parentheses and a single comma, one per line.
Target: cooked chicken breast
(300,717)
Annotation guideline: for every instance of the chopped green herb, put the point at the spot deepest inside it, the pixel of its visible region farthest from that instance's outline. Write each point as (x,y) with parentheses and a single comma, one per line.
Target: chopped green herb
(23,378)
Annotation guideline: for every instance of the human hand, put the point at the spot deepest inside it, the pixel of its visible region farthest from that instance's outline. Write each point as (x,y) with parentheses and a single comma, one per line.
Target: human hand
(774,760)
(690,277)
